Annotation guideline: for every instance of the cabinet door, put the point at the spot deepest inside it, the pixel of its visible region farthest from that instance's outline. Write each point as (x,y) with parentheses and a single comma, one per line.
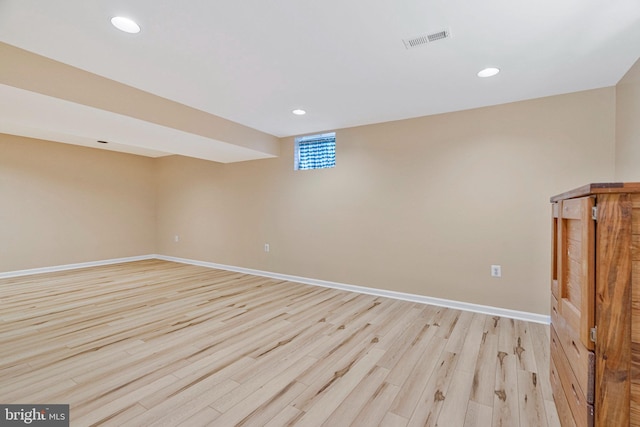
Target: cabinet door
(575,265)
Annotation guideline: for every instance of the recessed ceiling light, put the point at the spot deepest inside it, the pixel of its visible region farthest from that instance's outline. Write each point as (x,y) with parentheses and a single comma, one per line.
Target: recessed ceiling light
(299,112)
(125,24)
(488,72)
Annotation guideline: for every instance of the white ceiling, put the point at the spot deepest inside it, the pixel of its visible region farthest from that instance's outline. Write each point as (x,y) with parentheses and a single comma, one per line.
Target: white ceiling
(253,61)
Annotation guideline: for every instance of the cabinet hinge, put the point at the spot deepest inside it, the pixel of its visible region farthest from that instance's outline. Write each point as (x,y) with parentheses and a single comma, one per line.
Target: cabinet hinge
(594,213)
(592,333)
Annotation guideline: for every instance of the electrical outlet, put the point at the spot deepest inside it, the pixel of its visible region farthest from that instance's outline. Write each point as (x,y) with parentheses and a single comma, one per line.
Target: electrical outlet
(176,238)
(496,271)
(266,247)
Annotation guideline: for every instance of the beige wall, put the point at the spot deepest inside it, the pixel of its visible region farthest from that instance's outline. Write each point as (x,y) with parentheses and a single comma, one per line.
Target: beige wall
(423,206)
(628,126)
(63,204)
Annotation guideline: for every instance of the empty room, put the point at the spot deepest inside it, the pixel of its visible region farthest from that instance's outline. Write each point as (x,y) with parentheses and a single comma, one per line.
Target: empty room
(366,213)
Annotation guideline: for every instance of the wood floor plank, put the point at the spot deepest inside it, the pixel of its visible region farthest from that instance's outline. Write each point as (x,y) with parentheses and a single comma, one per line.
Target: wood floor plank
(329,402)
(531,402)
(183,404)
(325,374)
(484,376)
(401,367)
(431,400)
(218,372)
(540,340)
(393,420)
(285,418)
(366,390)
(478,415)
(474,334)
(105,411)
(412,339)
(376,409)
(411,391)
(160,343)
(235,411)
(340,354)
(505,401)
(553,420)
(204,417)
(458,335)
(524,348)
(270,409)
(456,400)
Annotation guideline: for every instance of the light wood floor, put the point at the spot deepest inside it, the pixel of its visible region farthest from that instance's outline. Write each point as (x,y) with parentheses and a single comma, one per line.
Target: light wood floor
(160,343)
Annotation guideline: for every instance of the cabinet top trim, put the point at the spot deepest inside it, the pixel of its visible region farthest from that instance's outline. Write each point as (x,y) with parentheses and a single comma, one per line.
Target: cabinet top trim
(599,188)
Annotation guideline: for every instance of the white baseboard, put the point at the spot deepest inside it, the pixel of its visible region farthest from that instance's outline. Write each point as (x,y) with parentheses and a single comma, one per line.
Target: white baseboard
(52,269)
(459,305)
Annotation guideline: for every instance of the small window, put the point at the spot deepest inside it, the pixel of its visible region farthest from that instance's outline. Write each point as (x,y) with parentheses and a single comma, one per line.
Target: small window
(315,151)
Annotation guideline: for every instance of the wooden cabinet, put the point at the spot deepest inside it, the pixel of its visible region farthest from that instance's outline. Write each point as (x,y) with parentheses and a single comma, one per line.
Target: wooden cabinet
(595,305)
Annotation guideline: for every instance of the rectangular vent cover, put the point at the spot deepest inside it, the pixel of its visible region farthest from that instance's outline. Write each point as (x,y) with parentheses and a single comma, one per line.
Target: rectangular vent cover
(426,38)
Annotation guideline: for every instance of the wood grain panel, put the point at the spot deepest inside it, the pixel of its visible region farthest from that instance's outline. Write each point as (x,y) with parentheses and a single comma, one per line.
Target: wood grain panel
(574,229)
(562,404)
(634,410)
(572,209)
(576,279)
(580,359)
(599,188)
(571,316)
(555,314)
(573,282)
(574,249)
(583,413)
(554,249)
(613,293)
(634,406)
(161,343)
(635,363)
(616,303)
(635,303)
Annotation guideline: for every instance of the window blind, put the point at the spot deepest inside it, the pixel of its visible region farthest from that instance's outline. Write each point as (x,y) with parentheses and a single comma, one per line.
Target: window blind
(316,151)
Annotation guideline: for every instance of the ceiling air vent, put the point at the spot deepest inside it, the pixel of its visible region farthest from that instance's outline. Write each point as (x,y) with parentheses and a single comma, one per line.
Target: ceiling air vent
(426,38)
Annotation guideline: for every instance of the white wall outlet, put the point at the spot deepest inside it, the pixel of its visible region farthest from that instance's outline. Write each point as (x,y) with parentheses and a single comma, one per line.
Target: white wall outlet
(266,247)
(496,271)
(176,238)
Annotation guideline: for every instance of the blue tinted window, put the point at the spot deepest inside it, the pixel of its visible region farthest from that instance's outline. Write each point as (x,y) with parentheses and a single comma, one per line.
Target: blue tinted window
(316,151)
